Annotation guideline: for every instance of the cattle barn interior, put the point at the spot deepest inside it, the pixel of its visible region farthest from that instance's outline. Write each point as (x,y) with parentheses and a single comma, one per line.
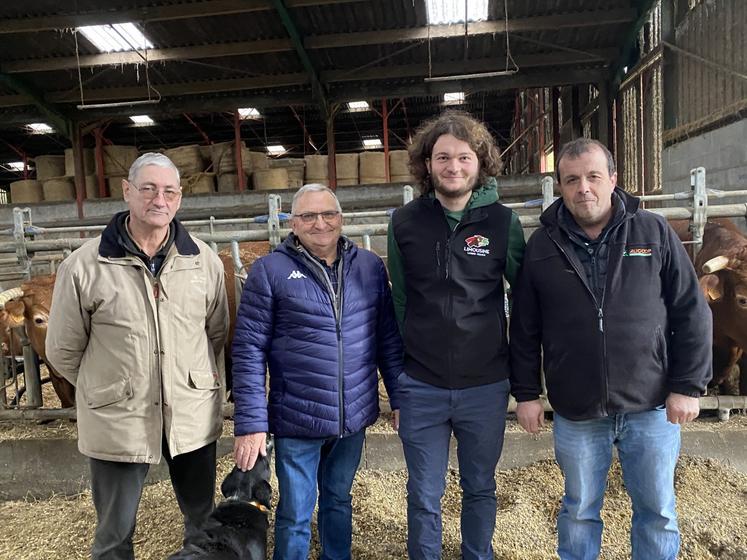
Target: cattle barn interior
(253,98)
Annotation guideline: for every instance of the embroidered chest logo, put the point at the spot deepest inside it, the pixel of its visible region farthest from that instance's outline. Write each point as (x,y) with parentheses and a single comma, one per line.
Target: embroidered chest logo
(637,252)
(296,275)
(477,245)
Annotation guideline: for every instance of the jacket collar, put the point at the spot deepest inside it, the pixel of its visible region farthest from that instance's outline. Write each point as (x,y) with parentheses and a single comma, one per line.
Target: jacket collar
(629,202)
(291,246)
(113,246)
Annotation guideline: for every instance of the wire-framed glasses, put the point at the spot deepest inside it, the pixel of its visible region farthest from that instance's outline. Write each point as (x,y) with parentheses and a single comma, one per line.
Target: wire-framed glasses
(149,192)
(328,216)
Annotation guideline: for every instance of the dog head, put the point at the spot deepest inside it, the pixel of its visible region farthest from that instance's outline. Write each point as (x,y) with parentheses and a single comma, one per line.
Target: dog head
(252,485)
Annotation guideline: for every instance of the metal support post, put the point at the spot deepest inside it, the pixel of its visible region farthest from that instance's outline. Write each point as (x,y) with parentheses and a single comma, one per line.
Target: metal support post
(273,223)
(22,219)
(30,371)
(407,194)
(548,196)
(366,242)
(700,206)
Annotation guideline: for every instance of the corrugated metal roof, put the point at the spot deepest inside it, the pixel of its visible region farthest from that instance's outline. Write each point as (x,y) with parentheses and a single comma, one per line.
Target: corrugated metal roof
(194,45)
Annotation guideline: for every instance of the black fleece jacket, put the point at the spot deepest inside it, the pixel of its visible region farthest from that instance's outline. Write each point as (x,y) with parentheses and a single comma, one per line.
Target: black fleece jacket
(646,335)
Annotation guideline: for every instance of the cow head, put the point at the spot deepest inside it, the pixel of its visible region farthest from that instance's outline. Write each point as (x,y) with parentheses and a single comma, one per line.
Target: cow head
(724,284)
(11,316)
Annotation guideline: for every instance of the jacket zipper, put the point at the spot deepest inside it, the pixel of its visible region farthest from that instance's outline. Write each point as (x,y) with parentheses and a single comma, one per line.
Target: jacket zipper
(337,311)
(600,316)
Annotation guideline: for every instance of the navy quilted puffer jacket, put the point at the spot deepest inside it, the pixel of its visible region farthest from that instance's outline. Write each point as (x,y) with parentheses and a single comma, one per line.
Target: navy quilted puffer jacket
(323,369)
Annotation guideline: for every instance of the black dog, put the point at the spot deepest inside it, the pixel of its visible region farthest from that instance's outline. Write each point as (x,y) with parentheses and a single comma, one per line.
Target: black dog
(237,528)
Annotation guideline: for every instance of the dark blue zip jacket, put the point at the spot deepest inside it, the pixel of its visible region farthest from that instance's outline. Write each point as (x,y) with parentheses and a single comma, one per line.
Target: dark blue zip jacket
(323,368)
(647,335)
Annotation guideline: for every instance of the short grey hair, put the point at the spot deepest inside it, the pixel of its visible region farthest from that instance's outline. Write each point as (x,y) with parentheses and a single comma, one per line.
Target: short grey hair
(314,187)
(152,158)
(575,148)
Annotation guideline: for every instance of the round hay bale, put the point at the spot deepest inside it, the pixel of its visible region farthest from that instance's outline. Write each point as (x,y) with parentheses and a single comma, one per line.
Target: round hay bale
(49,167)
(372,180)
(258,160)
(222,156)
(228,182)
(205,154)
(399,163)
(115,186)
(295,174)
(59,189)
(346,182)
(92,187)
(402,178)
(372,166)
(270,179)
(200,183)
(286,162)
(186,158)
(118,159)
(316,169)
(26,191)
(347,168)
(89,162)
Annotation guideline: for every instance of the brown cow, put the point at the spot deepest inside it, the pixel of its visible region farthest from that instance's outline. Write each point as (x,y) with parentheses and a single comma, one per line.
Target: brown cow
(249,252)
(29,305)
(721,265)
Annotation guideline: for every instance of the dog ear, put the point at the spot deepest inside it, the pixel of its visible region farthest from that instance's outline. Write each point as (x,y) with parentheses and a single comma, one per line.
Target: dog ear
(262,492)
(230,485)
(269,444)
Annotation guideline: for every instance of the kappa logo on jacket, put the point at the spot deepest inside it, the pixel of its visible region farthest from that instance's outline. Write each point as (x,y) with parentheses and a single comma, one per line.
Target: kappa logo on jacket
(476,245)
(296,275)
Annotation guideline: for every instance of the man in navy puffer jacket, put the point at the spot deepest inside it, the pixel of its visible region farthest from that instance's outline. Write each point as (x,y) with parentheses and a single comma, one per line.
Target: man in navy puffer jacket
(318,313)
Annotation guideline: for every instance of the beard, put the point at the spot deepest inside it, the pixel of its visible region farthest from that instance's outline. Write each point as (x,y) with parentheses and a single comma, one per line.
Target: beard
(448,192)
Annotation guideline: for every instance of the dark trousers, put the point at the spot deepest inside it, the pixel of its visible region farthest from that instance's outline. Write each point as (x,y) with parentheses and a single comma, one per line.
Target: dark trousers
(477,418)
(116,488)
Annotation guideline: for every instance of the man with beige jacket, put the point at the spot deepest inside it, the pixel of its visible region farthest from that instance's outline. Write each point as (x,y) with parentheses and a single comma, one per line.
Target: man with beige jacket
(138,320)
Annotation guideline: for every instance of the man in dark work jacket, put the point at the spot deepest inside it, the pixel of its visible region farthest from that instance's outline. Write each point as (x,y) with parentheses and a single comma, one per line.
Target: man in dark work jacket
(449,251)
(609,301)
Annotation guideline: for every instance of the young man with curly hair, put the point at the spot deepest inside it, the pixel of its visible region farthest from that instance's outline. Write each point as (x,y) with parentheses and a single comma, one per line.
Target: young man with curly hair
(449,251)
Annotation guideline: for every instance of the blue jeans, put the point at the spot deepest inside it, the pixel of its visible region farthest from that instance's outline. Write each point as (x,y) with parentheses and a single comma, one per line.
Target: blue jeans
(477,417)
(303,467)
(648,447)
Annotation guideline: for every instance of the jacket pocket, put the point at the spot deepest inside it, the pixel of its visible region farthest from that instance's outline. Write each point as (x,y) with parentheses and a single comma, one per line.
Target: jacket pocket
(104,395)
(202,379)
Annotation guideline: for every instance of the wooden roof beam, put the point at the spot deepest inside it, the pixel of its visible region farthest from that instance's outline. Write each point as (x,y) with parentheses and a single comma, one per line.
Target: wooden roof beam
(148,14)
(538,23)
(153,55)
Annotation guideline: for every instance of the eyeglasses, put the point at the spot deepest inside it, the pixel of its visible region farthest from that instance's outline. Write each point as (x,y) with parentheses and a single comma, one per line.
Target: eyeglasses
(310,217)
(149,192)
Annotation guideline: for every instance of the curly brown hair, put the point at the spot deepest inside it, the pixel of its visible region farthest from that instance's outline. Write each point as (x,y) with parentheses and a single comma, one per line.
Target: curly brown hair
(464,127)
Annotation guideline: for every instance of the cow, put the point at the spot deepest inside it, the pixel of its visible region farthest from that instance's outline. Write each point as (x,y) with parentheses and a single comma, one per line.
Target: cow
(29,304)
(721,265)
(237,528)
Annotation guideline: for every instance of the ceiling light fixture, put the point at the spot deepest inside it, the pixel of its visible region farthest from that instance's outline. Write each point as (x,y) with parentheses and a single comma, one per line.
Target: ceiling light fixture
(276,149)
(249,113)
(355,106)
(39,128)
(142,120)
(372,143)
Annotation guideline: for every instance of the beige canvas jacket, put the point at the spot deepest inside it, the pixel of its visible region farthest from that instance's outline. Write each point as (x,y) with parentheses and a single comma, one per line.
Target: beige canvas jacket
(142,352)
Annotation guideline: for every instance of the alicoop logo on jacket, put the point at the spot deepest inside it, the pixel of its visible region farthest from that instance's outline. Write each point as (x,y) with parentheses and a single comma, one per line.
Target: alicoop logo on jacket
(476,245)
